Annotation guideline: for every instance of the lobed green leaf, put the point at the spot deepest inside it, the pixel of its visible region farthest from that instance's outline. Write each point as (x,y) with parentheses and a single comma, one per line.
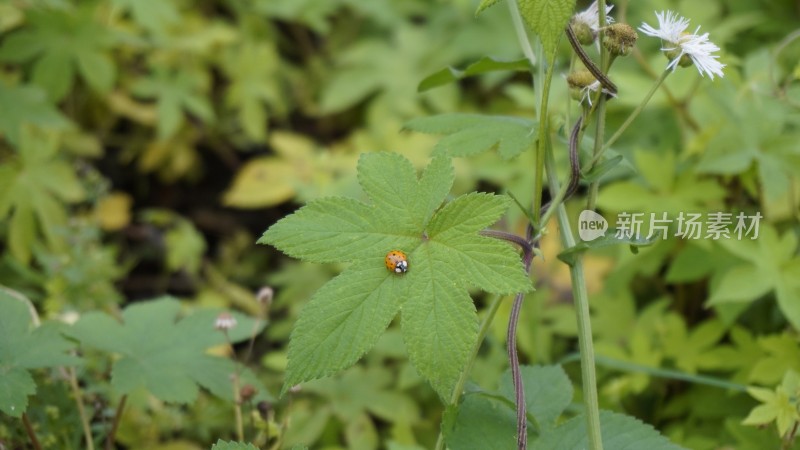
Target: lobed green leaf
(481,423)
(344,319)
(548,392)
(439,321)
(469,134)
(547,18)
(335,229)
(24,347)
(467,214)
(165,356)
(620,432)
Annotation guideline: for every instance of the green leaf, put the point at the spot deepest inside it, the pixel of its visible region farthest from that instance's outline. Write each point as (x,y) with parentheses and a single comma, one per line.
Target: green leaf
(619,432)
(484,5)
(480,423)
(486,64)
(547,18)
(740,284)
(343,320)
(35,185)
(22,347)
(172,361)
(779,405)
(59,42)
(27,105)
(334,229)
(469,134)
(771,267)
(253,71)
(439,323)
(154,15)
(359,391)
(548,392)
(231,445)
(601,169)
(178,92)
(185,247)
(445,255)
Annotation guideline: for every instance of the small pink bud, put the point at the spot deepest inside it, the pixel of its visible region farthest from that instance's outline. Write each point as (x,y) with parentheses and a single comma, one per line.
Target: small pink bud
(265,295)
(225,321)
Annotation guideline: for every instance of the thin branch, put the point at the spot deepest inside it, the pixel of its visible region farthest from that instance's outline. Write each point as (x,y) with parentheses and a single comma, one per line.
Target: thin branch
(31,433)
(114,425)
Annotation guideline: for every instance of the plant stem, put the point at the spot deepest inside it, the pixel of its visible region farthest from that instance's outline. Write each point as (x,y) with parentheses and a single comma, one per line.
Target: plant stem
(598,142)
(522,37)
(76,391)
(115,424)
(630,118)
(237,401)
(462,379)
(31,433)
(625,366)
(237,395)
(581,299)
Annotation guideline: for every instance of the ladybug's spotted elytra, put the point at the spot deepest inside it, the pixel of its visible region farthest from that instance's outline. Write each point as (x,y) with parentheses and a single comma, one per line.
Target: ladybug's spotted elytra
(396,261)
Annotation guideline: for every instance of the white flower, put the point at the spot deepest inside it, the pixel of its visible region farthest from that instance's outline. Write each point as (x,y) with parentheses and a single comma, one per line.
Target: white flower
(225,321)
(589,90)
(591,16)
(586,24)
(677,44)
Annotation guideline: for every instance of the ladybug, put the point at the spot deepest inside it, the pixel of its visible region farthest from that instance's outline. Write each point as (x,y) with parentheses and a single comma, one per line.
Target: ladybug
(396,261)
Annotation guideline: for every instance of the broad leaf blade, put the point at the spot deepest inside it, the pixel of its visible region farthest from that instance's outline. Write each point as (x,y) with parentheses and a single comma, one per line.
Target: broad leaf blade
(547,18)
(620,432)
(439,320)
(548,392)
(390,181)
(481,423)
(469,134)
(164,355)
(467,214)
(344,319)
(486,64)
(334,229)
(24,347)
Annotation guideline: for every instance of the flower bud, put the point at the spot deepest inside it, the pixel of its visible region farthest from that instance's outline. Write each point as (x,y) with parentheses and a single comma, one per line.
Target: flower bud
(579,82)
(265,295)
(583,31)
(619,39)
(225,321)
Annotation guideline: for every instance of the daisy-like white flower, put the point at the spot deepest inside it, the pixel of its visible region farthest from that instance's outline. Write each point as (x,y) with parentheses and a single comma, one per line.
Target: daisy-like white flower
(586,23)
(684,49)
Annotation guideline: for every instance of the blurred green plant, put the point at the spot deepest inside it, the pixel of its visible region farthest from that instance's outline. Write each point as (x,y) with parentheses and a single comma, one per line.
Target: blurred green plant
(134,133)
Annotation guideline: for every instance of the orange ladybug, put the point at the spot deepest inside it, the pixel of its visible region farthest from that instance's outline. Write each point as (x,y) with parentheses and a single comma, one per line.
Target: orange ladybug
(396,261)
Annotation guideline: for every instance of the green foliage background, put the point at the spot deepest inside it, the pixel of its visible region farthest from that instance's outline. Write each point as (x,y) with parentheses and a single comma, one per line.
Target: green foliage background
(145,144)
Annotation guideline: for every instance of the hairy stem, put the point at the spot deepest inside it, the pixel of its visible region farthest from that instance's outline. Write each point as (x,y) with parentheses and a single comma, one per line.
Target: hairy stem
(598,142)
(114,425)
(581,299)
